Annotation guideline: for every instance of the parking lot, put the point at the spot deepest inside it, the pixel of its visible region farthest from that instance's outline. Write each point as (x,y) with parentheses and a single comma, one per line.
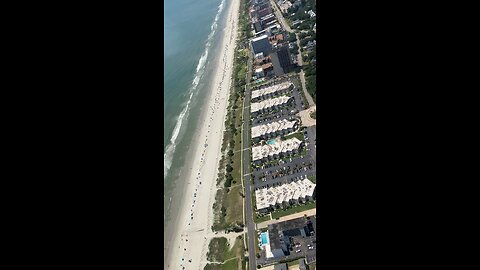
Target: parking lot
(271,175)
(310,134)
(279,171)
(282,112)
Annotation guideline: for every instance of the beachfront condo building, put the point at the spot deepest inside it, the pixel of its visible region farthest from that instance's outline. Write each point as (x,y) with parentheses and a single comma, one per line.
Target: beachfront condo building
(272,130)
(271,91)
(269,199)
(275,149)
(268,105)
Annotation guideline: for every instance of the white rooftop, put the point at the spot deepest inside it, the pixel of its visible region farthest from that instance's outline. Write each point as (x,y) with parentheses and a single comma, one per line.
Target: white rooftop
(269,150)
(270,89)
(269,197)
(259,38)
(269,128)
(265,104)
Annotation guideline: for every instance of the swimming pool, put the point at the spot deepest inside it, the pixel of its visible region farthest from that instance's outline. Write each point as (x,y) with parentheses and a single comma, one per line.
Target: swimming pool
(271,141)
(264,238)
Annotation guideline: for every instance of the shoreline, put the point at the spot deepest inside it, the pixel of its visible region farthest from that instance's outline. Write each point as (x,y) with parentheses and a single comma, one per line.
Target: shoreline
(189,241)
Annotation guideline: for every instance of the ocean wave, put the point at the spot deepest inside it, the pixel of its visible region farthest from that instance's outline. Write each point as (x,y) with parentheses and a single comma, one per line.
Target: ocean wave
(170,150)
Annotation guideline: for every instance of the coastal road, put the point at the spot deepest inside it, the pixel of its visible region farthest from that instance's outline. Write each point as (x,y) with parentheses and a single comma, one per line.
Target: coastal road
(281,19)
(246,171)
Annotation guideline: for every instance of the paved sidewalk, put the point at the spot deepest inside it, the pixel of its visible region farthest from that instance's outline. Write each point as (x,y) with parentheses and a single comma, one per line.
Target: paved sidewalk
(307,121)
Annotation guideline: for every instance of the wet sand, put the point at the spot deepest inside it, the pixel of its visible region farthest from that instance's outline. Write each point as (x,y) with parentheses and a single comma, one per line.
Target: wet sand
(189,242)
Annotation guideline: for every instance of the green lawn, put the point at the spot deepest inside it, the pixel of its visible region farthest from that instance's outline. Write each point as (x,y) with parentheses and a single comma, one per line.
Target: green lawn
(293,210)
(257,219)
(257,249)
(219,251)
(232,203)
(237,154)
(292,263)
(299,135)
(212,266)
(312,178)
(231,265)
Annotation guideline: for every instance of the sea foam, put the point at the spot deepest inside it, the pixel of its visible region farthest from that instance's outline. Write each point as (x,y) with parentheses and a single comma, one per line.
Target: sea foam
(170,150)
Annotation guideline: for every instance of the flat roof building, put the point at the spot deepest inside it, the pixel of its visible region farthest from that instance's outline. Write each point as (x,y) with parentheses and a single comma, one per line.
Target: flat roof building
(273,128)
(284,58)
(275,150)
(272,89)
(269,103)
(275,197)
(283,234)
(261,45)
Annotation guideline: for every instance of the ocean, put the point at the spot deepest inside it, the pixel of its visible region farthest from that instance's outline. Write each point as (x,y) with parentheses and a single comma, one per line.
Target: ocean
(192,31)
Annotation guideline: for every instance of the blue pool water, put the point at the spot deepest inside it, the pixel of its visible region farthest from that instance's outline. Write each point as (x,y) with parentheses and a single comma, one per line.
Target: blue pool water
(271,142)
(264,238)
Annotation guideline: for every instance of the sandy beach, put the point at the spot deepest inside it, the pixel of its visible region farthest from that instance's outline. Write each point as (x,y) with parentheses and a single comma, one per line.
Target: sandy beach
(190,240)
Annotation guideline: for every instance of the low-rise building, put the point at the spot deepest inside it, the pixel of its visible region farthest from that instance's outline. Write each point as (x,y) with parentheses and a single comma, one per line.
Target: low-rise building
(283,235)
(275,150)
(266,19)
(285,6)
(274,39)
(268,104)
(271,130)
(269,199)
(258,61)
(259,73)
(264,12)
(259,56)
(268,92)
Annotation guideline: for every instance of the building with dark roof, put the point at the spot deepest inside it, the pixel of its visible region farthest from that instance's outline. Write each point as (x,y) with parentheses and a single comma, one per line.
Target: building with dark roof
(284,58)
(261,45)
(264,12)
(266,19)
(282,235)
